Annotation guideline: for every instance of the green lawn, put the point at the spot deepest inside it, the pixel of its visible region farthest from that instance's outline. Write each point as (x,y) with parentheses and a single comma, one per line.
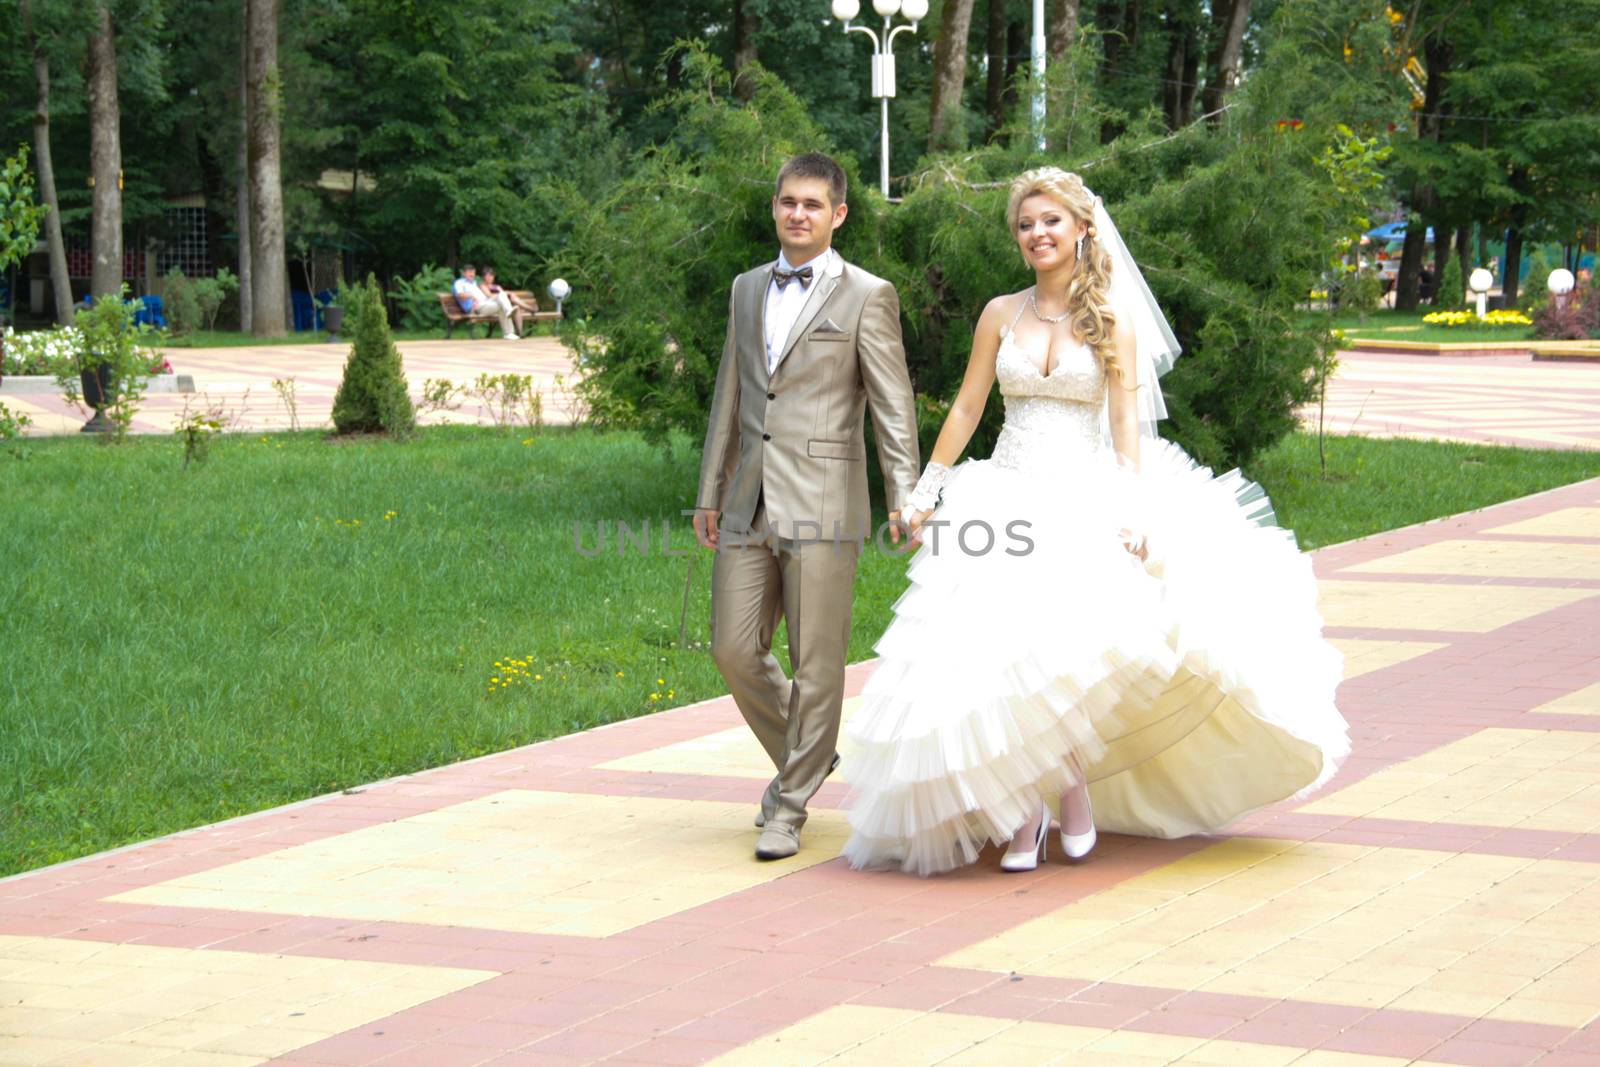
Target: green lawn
(1388,325)
(184,646)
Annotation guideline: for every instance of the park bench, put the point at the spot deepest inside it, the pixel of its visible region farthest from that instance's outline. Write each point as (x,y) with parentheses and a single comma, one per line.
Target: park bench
(454,316)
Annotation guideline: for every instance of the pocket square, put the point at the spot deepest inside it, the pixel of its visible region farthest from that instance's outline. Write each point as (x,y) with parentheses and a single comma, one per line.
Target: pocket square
(829,326)
(830,331)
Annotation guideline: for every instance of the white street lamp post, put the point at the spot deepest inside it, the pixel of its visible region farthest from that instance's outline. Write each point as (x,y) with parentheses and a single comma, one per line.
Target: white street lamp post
(1479,282)
(1038,74)
(882,59)
(1560,284)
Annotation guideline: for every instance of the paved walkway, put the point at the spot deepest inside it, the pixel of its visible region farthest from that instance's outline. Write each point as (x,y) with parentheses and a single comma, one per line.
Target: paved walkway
(239,379)
(1510,400)
(595,897)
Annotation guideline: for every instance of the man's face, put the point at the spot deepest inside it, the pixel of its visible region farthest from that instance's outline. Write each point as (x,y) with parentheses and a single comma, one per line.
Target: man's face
(470,274)
(806,218)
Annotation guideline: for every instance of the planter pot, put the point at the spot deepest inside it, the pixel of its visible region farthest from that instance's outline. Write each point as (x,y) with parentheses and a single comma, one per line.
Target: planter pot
(332,320)
(97,394)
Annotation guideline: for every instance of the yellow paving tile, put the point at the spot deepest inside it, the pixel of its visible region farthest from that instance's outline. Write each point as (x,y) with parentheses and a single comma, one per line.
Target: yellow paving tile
(887,1037)
(1436,605)
(1363,656)
(1584,702)
(1500,559)
(231,1026)
(1317,921)
(1568,522)
(520,860)
(1530,779)
(731,753)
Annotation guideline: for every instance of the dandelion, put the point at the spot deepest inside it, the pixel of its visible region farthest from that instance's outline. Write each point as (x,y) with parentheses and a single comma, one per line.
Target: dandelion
(619,674)
(661,681)
(655,696)
(538,677)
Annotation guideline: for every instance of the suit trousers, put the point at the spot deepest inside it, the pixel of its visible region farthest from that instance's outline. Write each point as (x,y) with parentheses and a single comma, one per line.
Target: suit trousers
(756,580)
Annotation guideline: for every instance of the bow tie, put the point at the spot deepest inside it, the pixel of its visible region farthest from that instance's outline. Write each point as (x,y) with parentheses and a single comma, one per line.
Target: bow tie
(784,277)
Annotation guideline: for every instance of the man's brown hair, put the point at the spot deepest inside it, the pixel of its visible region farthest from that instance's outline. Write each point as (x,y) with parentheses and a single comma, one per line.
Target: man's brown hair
(815,165)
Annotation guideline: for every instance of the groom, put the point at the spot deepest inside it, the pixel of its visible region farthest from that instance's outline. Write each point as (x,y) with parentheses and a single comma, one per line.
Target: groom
(812,342)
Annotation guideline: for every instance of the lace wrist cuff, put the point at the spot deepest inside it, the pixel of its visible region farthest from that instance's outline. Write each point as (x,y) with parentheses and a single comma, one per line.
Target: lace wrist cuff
(925,497)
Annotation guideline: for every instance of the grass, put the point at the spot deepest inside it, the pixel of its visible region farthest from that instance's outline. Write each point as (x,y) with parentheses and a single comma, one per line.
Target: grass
(185,646)
(1389,325)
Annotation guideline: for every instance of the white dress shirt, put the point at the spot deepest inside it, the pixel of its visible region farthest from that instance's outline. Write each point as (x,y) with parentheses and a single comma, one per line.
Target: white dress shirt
(784,304)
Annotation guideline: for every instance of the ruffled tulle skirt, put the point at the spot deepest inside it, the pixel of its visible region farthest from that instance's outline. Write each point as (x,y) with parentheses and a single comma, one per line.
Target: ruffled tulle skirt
(1189,689)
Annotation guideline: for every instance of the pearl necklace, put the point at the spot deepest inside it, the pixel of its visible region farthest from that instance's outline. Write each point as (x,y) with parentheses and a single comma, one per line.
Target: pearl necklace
(1052,319)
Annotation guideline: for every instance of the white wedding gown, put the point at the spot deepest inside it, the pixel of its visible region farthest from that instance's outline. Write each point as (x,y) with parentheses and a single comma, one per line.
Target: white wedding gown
(1195,687)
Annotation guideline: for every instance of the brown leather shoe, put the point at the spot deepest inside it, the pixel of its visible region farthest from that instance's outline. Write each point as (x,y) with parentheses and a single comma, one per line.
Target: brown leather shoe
(761,816)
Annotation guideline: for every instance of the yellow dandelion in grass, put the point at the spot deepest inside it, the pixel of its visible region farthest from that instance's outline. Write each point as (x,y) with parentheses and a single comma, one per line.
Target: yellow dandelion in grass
(538,677)
(655,696)
(661,681)
(527,440)
(619,674)
(671,693)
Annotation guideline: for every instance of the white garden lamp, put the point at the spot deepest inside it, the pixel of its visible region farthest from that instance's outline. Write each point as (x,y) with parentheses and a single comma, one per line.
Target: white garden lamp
(882,60)
(1479,283)
(1560,284)
(559,291)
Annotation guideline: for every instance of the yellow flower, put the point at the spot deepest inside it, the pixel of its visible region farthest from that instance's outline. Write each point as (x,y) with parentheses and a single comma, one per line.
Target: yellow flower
(538,677)
(661,681)
(619,674)
(655,696)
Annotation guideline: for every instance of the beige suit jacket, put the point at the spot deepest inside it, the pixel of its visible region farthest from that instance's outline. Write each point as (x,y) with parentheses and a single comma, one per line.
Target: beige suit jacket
(796,440)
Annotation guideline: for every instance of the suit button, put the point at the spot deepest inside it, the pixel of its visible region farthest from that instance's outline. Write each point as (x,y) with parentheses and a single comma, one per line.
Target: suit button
(766,437)
(772,396)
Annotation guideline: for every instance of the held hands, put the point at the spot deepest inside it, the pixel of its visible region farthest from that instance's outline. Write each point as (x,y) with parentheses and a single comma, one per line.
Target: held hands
(705,527)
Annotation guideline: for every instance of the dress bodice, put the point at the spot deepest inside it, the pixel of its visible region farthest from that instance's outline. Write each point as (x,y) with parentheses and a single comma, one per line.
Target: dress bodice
(1048,416)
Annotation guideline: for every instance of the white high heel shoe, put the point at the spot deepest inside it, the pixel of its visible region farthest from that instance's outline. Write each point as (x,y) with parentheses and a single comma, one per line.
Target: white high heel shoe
(1077,846)
(1030,860)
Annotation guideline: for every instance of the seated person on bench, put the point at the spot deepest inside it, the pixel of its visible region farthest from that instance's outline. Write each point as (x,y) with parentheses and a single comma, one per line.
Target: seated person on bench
(474,301)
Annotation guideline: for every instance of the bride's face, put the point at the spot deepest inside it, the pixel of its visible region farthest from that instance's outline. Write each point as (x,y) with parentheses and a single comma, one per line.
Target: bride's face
(1047,233)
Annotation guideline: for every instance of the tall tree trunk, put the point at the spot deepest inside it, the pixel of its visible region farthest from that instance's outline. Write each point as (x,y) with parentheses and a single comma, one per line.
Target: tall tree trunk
(60,282)
(1231,17)
(270,269)
(1016,56)
(1511,269)
(241,196)
(946,129)
(745,24)
(994,98)
(1189,87)
(949,75)
(1464,254)
(1063,19)
(105,158)
(1424,199)
(1178,35)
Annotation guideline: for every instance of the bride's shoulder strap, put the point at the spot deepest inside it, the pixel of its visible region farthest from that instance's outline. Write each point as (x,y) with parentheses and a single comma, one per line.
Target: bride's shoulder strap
(1012,325)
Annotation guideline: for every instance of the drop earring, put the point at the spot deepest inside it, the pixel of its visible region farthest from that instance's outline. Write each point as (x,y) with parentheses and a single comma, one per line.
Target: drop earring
(1080,246)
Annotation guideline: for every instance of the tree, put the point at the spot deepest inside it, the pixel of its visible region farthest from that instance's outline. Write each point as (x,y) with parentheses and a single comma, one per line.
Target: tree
(60,284)
(241,195)
(105,157)
(372,395)
(19,215)
(1063,27)
(945,126)
(1229,17)
(269,271)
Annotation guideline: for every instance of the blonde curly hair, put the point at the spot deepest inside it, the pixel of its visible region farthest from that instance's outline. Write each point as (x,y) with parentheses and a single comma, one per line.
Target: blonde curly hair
(1088,303)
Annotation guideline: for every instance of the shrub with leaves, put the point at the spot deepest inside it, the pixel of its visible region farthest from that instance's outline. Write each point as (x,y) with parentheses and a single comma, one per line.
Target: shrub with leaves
(372,396)
(181,302)
(417,297)
(1232,226)
(1575,318)
(1452,291)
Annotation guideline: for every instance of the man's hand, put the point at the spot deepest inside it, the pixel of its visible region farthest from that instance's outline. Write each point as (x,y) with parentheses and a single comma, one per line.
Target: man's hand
(705,527)
(894,527)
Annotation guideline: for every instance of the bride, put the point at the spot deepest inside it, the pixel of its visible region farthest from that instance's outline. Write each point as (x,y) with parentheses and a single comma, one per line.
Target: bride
(1091,616)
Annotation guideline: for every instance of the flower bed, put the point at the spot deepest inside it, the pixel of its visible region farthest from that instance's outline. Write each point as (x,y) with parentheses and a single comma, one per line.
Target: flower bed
(40,351)
(1498,317)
